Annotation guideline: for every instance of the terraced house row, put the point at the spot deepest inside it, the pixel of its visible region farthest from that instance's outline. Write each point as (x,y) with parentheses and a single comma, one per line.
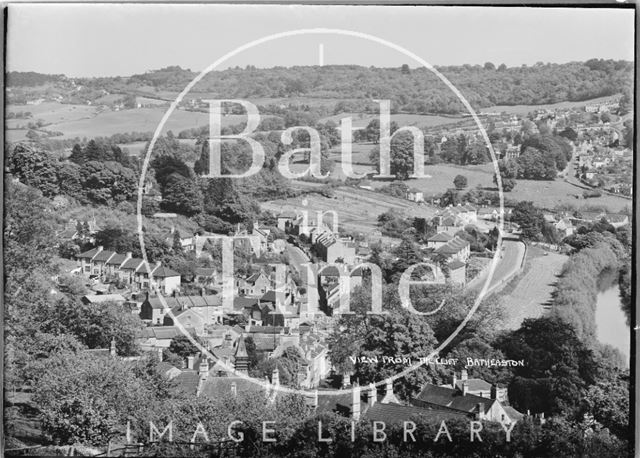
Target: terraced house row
(137,274)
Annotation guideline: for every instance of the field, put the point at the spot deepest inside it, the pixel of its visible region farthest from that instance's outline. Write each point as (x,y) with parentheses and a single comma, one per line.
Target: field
(360,120)
(85,120)
(51,113)
(545,194)
(357,209)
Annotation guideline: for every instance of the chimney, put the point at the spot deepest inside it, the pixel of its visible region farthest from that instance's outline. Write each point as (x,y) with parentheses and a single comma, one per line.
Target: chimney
(481,411)
(465,388)
(463,375)
(355,403)
(494,392)
(275,377)
(190,360)
(160,355)
(100,248)
(234,389)
(112,348)
(454,380)
(346,380)
(247,327)
(389,397)
(373,395)
(314,400)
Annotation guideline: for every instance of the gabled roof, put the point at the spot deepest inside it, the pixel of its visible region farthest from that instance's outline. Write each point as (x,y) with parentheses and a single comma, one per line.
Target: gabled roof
(117,259)
(221,387)
(132,264)
(440,237)
(456,264)
(89,254)
(164,272)
(453,399)
(475,384)
(270,296)
(186,382)
(100,298)
(254,278)
(397,414)
(241,349)
(104,256)
(210,300)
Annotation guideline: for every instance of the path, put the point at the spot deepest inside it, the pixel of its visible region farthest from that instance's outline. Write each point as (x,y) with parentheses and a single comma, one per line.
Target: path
(534,290)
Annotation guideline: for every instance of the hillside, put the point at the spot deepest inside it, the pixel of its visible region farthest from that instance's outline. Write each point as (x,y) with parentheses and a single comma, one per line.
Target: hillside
(351,87)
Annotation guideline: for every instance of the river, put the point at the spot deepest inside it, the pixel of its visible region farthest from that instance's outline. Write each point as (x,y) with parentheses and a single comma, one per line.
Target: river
(611,322)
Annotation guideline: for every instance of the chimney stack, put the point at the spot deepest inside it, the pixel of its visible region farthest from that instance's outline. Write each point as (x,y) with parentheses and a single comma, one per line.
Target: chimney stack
(389,397)
(234,389)
(463,375)
(465,388)
(190,360)
(355,402)
(494,392)
(481,411)
(112,348)
(160,355)
(373,395)
(275,377)
(454,380)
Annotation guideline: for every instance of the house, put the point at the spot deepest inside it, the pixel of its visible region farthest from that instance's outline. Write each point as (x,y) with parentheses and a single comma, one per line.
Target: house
(456,248)
(415,195)
(85,260)
(285,220)
(112,266)
(127,271)
(438,240)
(155,337)
(255,285)
(617,220)
(457,272)
(153,309)
(164,279)
(565,227)
(459,400)
(477,387)
(332,249)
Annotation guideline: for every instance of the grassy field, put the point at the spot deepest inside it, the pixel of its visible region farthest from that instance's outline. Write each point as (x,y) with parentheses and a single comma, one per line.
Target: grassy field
(360,120)
(357,209)
(85,121)
(51,112)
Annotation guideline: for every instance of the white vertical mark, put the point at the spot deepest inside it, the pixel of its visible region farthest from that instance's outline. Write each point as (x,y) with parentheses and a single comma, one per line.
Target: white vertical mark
(321,54)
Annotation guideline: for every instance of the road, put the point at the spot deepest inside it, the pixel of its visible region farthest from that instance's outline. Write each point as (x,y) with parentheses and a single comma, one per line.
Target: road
(508,264)
(297,257)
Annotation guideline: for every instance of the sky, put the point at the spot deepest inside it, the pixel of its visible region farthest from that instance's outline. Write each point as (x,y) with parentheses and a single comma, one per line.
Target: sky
(115,39)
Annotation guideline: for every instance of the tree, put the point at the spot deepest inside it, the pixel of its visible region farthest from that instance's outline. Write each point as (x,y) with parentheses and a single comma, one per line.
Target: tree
(398,333)
(489,66)
(182,347)
(87,399)
(558,366)
(534,165)
(401,156)
(35,168)
(529,219)
(405,69)
(108,182)
(181,195)
(460,182)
